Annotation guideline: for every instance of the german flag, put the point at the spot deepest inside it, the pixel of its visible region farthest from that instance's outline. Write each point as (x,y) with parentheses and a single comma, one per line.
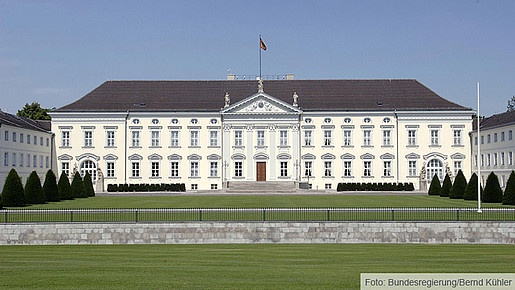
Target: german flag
(262,43)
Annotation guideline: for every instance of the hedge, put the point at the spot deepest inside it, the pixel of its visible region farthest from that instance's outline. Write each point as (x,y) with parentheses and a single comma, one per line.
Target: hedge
(78,187)
(471,189)
(50,187)
(509,192)
(33,190)
(88,185)
(145,187)
(446,187)
(493,191)
(12,193)
(375,186)
(435,187)
(458,188)
(64,188)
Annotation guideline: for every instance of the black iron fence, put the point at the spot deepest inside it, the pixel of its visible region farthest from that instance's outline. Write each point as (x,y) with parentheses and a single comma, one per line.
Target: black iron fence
(256,215)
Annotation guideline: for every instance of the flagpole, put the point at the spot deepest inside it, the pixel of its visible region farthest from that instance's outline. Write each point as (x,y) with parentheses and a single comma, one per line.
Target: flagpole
(478,120)
(259,47)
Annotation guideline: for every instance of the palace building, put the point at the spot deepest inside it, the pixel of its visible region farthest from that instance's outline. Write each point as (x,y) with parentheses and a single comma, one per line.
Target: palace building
(227,133)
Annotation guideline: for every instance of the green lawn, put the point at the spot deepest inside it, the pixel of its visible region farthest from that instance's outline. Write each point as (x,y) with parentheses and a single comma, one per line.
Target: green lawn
(279,266)
(262,201)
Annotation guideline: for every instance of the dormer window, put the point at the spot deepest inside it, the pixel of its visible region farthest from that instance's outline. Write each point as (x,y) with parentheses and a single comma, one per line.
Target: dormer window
(194,121)
(175,121)
(135,121)
(347,120)
(214,121)
(327,120)
(308,120)
(367,120)
(155,121)
(386,120)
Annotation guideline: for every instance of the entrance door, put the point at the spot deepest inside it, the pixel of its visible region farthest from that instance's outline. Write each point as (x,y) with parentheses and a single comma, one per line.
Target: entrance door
(261,171)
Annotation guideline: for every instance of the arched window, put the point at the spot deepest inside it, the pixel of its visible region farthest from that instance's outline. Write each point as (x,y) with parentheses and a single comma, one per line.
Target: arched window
(88,166)
(434,166)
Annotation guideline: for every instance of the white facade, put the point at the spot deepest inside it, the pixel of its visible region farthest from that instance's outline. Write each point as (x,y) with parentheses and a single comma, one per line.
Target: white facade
(25,150)
(497,149)
(263,138)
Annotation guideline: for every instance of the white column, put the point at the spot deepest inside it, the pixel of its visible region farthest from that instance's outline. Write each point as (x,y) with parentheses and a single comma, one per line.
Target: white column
(250,159)
(273,159)
(226,151)
(295,152)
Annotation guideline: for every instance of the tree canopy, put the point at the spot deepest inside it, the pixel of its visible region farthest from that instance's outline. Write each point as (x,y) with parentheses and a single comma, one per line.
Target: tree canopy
(34,112)
(511,104)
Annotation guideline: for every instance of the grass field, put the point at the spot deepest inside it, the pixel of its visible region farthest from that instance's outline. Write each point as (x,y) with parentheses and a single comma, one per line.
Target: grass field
(279,266)
(262,201)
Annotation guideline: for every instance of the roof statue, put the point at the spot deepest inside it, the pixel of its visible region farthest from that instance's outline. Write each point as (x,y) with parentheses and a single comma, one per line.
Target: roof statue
(227,100)
(260,85)
(295,97)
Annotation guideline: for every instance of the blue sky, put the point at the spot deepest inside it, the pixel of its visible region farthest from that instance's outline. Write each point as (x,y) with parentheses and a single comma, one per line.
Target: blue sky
(54,52)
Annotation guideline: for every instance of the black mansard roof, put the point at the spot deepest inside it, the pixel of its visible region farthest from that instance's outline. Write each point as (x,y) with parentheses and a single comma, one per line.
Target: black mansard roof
(314,95)
(16,121)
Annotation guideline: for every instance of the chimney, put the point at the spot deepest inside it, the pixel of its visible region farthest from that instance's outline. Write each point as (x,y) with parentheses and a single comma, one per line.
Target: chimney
(231,77)
(290,77)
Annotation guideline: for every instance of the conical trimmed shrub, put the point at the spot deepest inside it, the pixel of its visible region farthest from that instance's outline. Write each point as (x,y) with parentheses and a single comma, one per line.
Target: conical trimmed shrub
(64,188)
(458,188)
(435,187)
(509,192)
(446,187)
(493,191)
(78,187)
(50,187)
(33,190)
(88,185)
(471,189)
(12,193)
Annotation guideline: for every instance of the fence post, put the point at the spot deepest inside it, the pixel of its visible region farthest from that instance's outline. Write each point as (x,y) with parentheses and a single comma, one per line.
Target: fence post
(71,215)
(264,215)
(6,217)
(328,215)
(393,214)
(200,214)
(458,214)
(136,215)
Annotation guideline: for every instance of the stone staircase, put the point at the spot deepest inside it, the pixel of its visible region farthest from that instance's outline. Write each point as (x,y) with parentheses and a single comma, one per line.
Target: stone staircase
(261,186)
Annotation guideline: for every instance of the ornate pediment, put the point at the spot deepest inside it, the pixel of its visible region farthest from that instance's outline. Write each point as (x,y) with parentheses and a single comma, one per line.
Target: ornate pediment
(261,103)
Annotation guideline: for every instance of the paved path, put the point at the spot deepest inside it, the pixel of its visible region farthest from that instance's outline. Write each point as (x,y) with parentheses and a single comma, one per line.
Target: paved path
(218,193)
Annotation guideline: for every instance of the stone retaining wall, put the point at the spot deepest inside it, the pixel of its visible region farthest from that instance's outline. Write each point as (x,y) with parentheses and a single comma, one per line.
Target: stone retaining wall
(257,232)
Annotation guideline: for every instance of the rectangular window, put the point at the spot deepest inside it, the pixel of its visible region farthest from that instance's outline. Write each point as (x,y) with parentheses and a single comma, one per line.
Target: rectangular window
(174,138)
(154,139)
(28,139)
(88,138)
(387,168)
(41,161)
(435,140)
(194,186)
(347,168)
(65,168)
(135,139)
(14,136)
(412,137)
(283,138)
(28,160)
(6,136)
(387,139)
(194,169)
(47,162)
(135,169)
(510,135)
(502,137)
(213,138)
(65,138)
(21,138)
(214,186)
(22,159)
(502,158)
(367,168)
(367,136)
(283,165)
(482,140)
(328,138)
(6,159)
(495,137)
(213,169)
(110,138)
(238,138)
(510,158)
(238,169)
(194,138)
(110,169)
(328,168)
(35,140)
(495,159)
(41,141)
(308,168)
(154,169)
(412,168)
(260,138)
(34,161)
(47,142)
(347,138)
(482,160)
(328,186)
(488,160)
(457,137)
(475,160)
(14,159)
(488,138)
(457,167)
(308,138)
(174,169)
(475,140)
